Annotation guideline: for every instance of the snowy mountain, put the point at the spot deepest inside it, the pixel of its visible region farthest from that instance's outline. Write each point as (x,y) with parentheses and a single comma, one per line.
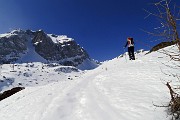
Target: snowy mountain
(118,89)
(20,46)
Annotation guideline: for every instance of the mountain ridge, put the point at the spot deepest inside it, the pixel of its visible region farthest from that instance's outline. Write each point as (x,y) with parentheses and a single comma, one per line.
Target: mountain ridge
(19,46)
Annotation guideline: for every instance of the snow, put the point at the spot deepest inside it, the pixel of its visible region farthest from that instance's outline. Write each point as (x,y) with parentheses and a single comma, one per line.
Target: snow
(116,90)
(31,55)
(87,65)
(59,38)
(4,35)
(34,74)
(9,34)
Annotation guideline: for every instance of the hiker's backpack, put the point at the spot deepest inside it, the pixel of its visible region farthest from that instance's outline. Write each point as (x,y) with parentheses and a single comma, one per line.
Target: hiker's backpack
(130,42)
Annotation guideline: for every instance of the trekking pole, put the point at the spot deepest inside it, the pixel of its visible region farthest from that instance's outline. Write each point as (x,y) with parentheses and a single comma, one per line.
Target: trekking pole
(125,54)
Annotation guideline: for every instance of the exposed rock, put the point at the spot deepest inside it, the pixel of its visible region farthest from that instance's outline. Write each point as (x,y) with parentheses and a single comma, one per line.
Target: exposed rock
(10,92)
(65,51)
(11,45)
(66,69)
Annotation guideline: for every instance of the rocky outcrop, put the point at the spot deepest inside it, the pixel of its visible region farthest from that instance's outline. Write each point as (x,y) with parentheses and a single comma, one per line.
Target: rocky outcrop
(8,93)
(11,45)
(63,49)
(43,44)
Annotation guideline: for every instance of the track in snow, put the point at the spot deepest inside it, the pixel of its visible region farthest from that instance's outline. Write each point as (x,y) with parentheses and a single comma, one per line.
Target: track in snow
(114,91)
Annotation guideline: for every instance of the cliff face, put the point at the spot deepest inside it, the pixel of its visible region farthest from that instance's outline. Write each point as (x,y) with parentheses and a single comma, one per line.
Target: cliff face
(59,48)
(12,45)
(52,48)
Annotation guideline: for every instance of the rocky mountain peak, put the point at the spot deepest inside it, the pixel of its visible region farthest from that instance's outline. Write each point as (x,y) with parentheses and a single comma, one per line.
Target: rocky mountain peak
(52,48)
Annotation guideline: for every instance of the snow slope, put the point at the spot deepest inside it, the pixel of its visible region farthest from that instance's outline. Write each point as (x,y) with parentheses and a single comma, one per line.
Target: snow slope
(34,74)
(31,55)
(87,64)
(116,90)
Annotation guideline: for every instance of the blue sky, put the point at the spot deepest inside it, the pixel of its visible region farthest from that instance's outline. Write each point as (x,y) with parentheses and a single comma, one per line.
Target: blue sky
(99,26)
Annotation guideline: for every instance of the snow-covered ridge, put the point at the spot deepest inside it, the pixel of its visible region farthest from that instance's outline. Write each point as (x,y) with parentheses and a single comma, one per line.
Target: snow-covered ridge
(5,35)
(60,38)
(9,34)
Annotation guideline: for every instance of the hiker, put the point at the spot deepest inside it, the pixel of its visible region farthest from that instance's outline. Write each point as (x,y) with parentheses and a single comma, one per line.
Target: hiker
(130,44)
